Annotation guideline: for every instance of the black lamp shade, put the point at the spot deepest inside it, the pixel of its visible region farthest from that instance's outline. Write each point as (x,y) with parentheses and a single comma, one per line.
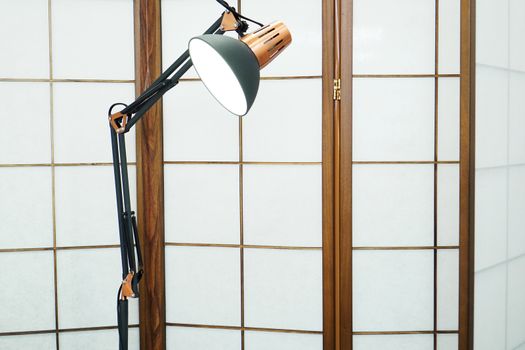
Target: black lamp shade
(228,68)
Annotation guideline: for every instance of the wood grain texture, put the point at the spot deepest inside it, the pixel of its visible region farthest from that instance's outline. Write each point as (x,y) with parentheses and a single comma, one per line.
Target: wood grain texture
(345,176)
(467,172)
(329,323)
(150,179)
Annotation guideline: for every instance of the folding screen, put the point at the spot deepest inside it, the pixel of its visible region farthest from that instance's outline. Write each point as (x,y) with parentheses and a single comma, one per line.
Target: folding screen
(58,239)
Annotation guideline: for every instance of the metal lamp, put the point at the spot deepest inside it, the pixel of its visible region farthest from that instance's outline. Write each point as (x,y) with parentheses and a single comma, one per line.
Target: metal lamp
(229,68)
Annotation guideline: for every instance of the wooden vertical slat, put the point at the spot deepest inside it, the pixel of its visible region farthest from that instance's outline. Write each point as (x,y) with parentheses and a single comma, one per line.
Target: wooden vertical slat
(329,322)
(345,176)
(150,179)
(467,172)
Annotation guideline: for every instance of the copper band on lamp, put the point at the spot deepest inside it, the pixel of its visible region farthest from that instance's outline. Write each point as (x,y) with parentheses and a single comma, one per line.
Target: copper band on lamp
(268,41)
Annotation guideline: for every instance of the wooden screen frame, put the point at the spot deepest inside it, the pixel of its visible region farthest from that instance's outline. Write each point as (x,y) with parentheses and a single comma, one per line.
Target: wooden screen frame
(150,177)
(343,176)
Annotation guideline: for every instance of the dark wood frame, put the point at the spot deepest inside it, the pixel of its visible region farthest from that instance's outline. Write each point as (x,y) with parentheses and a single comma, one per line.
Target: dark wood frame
(150,178)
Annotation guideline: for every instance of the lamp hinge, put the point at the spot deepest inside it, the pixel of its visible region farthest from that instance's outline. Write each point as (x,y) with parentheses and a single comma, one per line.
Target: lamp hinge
(337,89)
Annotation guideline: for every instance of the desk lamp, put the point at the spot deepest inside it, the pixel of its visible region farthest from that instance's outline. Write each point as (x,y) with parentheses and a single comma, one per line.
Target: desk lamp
(230,70)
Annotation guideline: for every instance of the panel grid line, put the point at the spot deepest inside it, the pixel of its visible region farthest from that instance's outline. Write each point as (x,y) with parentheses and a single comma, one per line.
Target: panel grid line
(242,329)
(63,330)
(435,218)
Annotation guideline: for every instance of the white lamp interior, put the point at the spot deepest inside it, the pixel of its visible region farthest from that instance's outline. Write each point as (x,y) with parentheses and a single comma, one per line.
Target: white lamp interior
(217,76)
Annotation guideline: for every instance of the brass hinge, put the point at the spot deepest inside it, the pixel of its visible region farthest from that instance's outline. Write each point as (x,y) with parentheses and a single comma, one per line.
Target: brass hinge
(337,89)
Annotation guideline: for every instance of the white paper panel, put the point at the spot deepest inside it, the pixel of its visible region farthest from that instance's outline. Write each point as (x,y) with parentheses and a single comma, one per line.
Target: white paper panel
(492,34)
(282,205)
(197,127)
(85,202)
(392,205)
(185,338)
(183,20)
(516,30)
(491,217)
(24,46)
(88,281)
(393,342)
(516,118)
(401,127)
(489,309)
(27,294)
(449,36)
(393,290)
(448,204)
(516,303)
(24,113)
(447,342)
(278,130)
(282,341)
(99,340)
(447,289)
(29,342)
(92,143)
(93,39)
(202,203)
(26,207)
(516,207)
(203,285)
(303,18)
(491,117)
(393,36)
(448,118)
(283,289)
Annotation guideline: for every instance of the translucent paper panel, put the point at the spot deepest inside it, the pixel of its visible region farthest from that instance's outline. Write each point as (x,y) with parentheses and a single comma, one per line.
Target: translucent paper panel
(449,36)
(516,118)
(202,203)
(516,205)
(203,285)
(180,23)
(448,204)
(393,342)
(491,117)
(282,205)
(447,289)
(448,118)
(283,289)
(25,51)
(277,129)
(492,34)
(489,309)
(92,39)
(402,31)
(197,127)
(304,56)
(516,303)
(88,282)
(392,205)
(516,30)
(282,341)
(447,342)
(393,290)
(86,205)
(401,127)
(26,207)
(185,338)
(100,340)
(27,294)
(491,217)
(29,342)
(25,110)
(93,143)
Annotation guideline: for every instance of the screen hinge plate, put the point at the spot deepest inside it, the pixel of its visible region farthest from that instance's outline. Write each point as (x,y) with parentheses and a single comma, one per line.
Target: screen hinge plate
(337,89)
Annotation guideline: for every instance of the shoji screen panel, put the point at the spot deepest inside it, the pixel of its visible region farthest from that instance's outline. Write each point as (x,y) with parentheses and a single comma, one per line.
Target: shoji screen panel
(404,149)
(500,174)
(59,239)
(243,195)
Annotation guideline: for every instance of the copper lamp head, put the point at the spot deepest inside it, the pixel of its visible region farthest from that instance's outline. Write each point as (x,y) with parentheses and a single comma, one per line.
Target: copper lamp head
(268,42)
